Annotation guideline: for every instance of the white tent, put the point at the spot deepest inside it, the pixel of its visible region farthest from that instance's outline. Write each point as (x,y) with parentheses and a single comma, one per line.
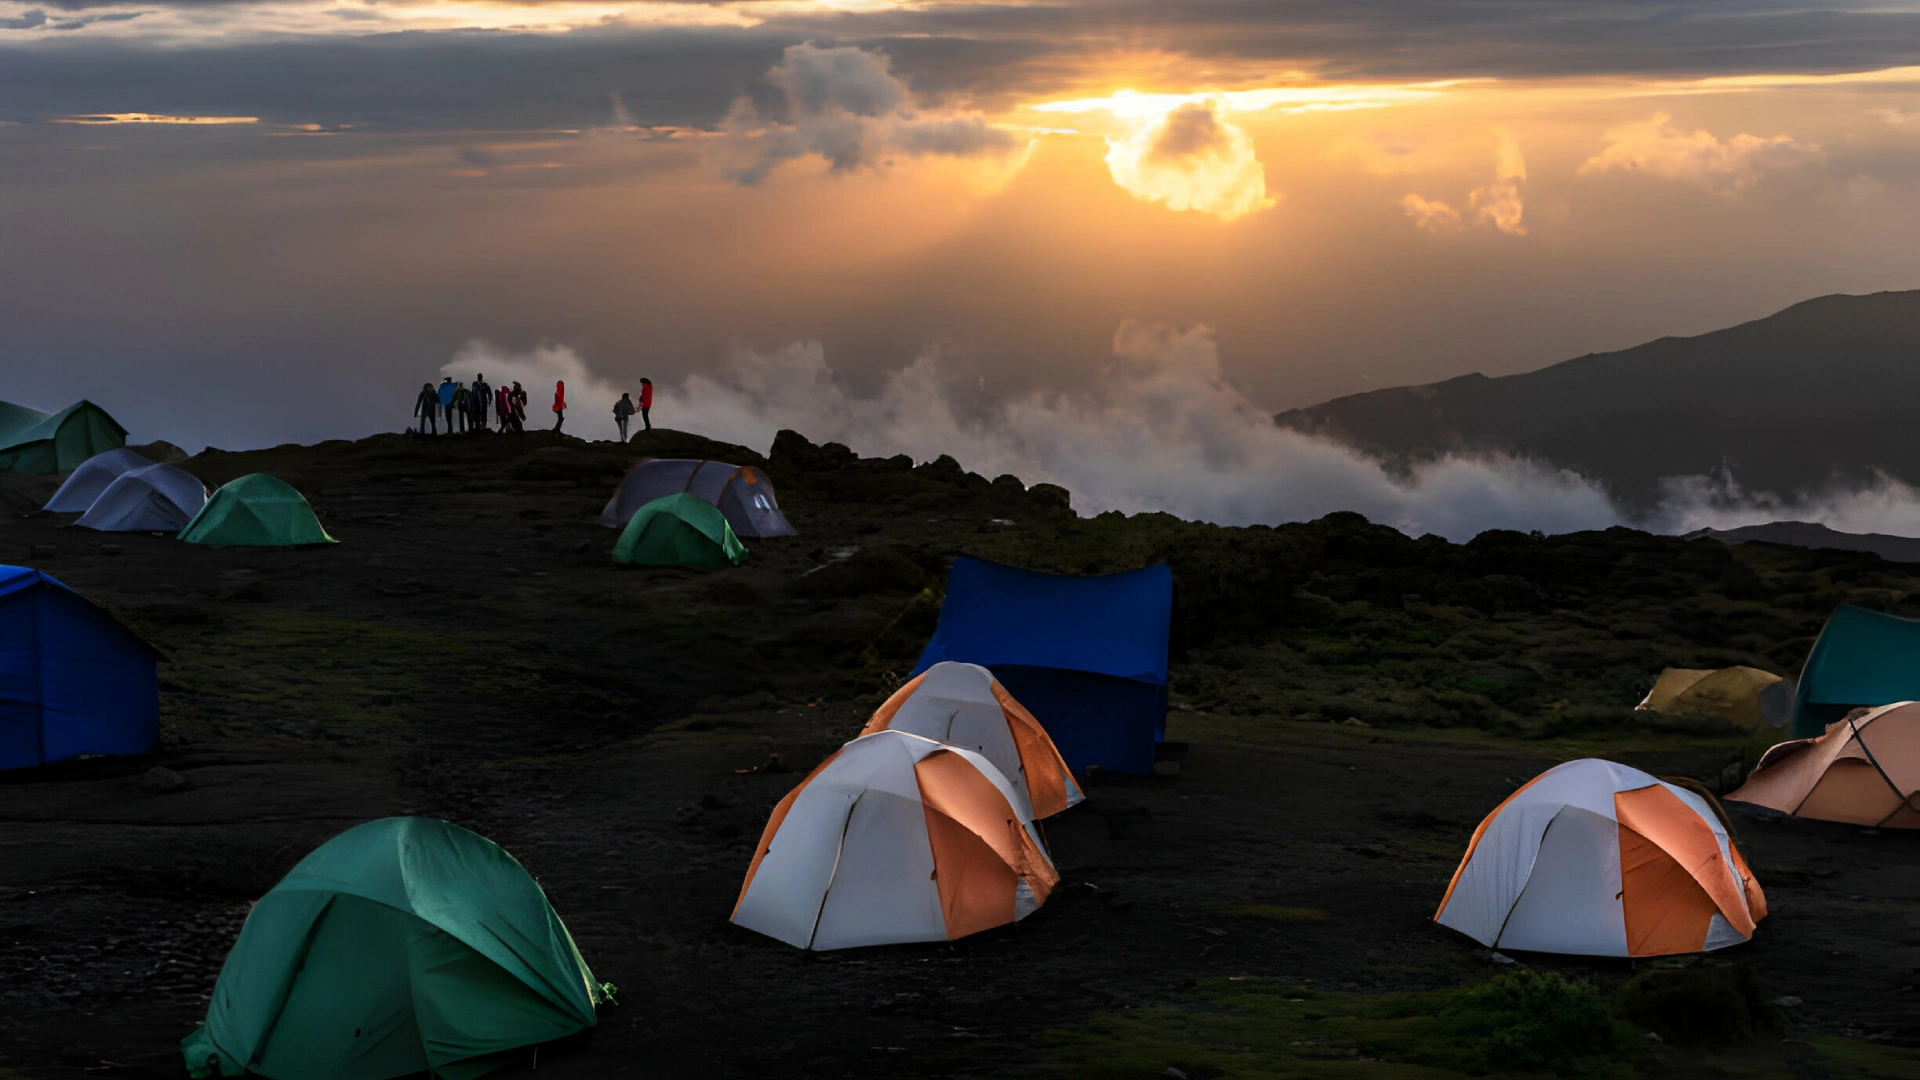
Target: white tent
(964,705)
(158,498)
(1593,858)
(895,838)
(92,478)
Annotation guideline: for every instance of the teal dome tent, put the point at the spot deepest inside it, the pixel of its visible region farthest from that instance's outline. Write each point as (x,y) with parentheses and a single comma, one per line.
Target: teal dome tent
(58,443)
(402,946)
(679,530)
(256,510)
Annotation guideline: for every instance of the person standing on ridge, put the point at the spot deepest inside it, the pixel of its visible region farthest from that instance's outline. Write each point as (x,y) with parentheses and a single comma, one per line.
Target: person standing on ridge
(502,409)
(646,402)
(446,400)
(519,401)
(461,408)
(425,407)
(482,397)
(559,404)
(622,412)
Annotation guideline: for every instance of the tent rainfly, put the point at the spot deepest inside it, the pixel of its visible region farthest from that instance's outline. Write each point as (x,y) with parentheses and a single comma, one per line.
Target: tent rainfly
(1592,858)
(256,510)
(1087,656)
(963,705)
(73,680)
(895,838)
(401,946)
(15,419)
(61,442)
(1864,771)
(158,498)
(1862,658)
(679,530)
(86,483)
(743,493)
(1735,695)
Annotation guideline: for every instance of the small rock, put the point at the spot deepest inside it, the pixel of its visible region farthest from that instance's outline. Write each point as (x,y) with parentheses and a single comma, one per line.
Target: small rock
(1496,957)
(161,780)
(1787,1001)
(42,551)
(1174,1074)
(1654,1036)
(1354,721)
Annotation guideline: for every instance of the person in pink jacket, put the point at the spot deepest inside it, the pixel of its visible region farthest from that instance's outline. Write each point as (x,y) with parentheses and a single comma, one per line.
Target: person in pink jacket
(559,404)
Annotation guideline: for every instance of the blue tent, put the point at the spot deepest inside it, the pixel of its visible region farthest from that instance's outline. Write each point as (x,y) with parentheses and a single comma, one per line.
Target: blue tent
(1861,657)
(1086,655)
(73,680)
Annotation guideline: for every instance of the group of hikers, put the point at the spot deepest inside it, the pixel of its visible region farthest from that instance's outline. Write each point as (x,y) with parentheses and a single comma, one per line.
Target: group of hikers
(465,408)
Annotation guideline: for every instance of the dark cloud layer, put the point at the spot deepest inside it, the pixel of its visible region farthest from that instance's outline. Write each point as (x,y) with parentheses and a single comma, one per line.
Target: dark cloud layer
(985,54)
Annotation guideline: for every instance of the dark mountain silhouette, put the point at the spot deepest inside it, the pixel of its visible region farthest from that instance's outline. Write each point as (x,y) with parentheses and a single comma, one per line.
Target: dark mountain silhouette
(1808,534)
(1826,390)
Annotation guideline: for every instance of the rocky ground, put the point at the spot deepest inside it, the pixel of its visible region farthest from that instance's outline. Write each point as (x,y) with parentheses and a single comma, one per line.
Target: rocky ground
(1348,703)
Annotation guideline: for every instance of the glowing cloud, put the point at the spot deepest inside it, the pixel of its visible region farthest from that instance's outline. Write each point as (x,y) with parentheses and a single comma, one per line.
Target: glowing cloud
(1190,158)
(1499,203)
(1130,105)
(153,118)
(1432,215)
(1657,148)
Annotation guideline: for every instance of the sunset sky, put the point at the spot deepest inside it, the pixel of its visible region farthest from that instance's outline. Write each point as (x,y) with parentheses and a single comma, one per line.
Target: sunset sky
(243,223)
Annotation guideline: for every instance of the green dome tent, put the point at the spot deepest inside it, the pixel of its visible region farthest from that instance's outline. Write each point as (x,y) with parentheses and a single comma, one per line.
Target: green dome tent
(401,946)
(57,443)
(256,510)
(679,530)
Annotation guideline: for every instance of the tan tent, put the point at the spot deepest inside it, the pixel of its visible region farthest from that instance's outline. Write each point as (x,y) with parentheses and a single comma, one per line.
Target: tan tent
(1861,772)
(1730,695)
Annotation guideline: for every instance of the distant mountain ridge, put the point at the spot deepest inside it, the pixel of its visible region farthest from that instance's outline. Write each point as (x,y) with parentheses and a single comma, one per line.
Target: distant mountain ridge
(1808,534)
(1826,390)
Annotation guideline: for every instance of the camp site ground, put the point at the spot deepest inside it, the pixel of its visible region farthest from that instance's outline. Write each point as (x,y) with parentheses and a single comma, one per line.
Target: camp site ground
(467,651)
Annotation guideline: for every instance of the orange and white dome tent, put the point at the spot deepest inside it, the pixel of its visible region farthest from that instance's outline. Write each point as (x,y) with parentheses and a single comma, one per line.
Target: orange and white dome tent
(1593,858)
(895,838)
(1861,772)
(965,705)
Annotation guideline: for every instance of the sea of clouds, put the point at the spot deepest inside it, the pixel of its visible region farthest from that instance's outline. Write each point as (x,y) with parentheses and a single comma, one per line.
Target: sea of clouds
(1162,429)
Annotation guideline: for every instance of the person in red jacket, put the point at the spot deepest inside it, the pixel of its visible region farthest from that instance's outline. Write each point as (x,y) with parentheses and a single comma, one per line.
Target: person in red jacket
(646,402)
(559,404)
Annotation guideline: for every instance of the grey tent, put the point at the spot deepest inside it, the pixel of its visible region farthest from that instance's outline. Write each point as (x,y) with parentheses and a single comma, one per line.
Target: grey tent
(92,478)
(158,498)
(742,493)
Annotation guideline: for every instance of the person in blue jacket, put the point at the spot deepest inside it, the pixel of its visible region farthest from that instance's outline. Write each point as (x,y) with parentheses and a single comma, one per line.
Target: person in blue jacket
(447,390)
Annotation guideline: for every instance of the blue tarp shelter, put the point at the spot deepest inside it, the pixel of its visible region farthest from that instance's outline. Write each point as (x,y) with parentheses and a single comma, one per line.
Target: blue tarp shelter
(1861,657)
(1087,656)
(73,680)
